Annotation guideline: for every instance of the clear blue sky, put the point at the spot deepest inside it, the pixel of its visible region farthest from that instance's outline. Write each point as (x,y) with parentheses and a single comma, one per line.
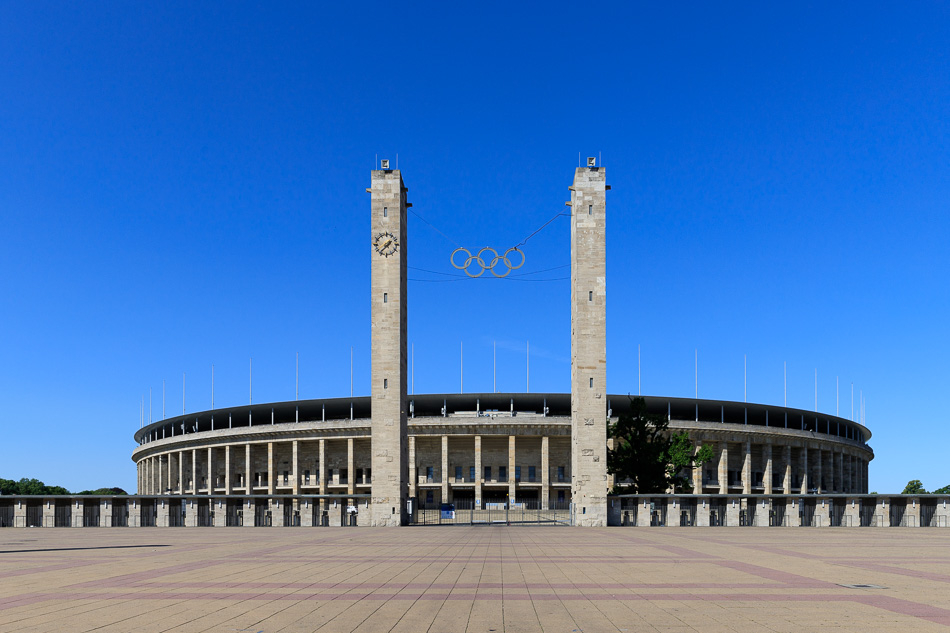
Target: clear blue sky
(182,185)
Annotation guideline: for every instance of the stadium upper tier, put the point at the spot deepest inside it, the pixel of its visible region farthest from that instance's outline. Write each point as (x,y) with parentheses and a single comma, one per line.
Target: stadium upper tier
(489,406)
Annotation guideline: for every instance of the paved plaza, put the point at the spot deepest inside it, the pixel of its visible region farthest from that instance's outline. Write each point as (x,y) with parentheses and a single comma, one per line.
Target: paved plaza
(474,579)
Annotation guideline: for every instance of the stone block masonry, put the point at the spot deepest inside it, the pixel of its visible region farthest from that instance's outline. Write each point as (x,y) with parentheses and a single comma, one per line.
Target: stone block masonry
(390,444)
(589,346)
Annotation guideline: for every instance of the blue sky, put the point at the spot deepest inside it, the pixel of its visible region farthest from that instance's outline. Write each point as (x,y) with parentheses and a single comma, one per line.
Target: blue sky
(183,185)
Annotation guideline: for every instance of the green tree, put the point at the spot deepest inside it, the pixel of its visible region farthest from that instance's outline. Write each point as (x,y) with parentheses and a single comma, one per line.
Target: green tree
(914,487)
(103,491)
(8,487)
(941,491)
(646,457)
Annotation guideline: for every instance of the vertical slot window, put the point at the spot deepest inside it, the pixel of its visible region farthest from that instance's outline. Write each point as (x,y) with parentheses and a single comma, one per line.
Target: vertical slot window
(385,212)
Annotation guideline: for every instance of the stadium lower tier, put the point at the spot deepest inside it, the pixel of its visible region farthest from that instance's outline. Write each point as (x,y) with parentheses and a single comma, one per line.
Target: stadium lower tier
(472,450)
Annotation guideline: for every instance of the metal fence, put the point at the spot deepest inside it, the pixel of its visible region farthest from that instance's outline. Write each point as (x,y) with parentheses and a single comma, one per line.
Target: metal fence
(466,512)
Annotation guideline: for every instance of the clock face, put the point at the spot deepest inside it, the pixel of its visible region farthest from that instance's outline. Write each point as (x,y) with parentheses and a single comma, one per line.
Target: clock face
(386,244)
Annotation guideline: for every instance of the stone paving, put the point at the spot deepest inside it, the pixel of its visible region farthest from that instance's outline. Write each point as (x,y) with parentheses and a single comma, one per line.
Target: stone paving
(483,579)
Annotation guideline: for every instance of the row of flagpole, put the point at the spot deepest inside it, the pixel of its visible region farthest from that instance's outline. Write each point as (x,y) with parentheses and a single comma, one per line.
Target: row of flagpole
(745,390)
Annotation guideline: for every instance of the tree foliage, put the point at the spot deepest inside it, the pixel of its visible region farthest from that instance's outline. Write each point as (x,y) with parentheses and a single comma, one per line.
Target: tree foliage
(914,487)
(36,487)
(942,491)
(645,457)
(103,491)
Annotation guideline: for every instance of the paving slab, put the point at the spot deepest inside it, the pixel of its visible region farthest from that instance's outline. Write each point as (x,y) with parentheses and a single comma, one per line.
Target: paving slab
(518,579)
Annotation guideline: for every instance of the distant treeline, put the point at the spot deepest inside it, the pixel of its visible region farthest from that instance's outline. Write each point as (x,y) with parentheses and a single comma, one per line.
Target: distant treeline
(36,487)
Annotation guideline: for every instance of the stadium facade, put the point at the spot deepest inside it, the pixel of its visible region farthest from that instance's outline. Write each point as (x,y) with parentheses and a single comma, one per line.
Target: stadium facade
(482,450)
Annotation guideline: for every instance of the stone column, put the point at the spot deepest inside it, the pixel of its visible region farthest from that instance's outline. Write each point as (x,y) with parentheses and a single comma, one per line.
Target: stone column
(162,474)
(697,471)
(350,471)
(413,468)
(227,469)
(296,467)
(210,471)
(723,468)
(787,481)
(804,469)
(194,471)
(390,437)
(747,469)
(181,472)
(478,470)
(323,476)
(589,346)
(818,474)
(270,468)
(445,469)
(841,486)
(248,476)
(545,499)
(767,470)
(512,465)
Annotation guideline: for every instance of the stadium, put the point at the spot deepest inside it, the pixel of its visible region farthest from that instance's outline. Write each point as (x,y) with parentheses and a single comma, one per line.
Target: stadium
(392,454)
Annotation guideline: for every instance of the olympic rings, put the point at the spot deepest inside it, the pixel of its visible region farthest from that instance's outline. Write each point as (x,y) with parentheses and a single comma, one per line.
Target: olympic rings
(492,263)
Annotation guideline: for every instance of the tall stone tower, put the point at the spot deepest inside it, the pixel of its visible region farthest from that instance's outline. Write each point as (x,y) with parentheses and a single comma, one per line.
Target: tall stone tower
(589,346)
(390,444)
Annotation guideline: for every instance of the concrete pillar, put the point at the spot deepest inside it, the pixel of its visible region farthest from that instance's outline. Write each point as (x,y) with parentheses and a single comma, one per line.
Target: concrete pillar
(211,470)
(390,443)
(697,471)
(478,470)
(767,468)
(787,458)
(162,474)
(296,467)
(589,346)
(723,468)
(803,468)
(512,466)
(350,472)
(445,469)
(248,475)
(840,479)
(819,474)
(322,476)
(747,468)
(227,469)
(181,472)
(194,471)
(545,499)
(413,470)
(270,468)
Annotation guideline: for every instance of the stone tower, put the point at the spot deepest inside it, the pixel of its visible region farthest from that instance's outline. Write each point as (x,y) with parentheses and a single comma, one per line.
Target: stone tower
(589,346)
(390,444)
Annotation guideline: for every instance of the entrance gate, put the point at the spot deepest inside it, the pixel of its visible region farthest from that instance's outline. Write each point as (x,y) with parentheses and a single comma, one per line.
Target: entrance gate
(717,512)
(90,513)
(928,509)
(176,513)
(63,514)
(898,512)
(34,514)
(120,513)
(235,513)
(465,512)
(6,514)
(688,513)
(262,516)
(777,513)
(147,513)
(203,509)
(868,506)
(806,512)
